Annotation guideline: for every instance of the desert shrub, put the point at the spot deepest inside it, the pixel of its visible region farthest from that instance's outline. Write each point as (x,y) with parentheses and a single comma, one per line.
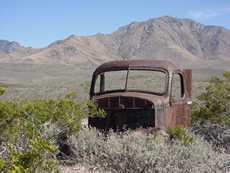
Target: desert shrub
(2,90)
(31,128)
(214,103)
(211,112)
(33,118)
(181,134)
(36,157)
(32,131)
(216,134)
(135,152)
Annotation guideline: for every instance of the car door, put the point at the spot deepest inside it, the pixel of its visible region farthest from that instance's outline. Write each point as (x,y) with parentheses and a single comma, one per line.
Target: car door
(178,100)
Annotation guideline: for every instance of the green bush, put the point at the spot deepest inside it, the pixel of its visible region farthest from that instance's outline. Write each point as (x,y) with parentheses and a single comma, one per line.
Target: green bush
(30,130)
(214,103)
(180,134)
(32,117)
(37,157)
(2,90)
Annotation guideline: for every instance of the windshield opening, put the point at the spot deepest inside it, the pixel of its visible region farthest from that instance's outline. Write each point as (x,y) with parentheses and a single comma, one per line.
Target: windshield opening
(146,80)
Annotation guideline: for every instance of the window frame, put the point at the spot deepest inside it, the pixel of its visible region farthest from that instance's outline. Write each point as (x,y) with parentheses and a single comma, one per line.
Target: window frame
(182,84)
(128,90)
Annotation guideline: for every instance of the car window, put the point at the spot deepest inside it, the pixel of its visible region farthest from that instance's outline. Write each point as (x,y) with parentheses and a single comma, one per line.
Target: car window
(177,88)
(133,80)
(97,84)
(147,80)
(114,80)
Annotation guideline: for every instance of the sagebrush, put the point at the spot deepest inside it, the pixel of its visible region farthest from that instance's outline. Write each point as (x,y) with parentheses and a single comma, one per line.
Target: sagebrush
(135,152)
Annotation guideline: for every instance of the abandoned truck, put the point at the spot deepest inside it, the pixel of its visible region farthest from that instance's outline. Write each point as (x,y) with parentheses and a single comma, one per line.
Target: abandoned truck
(141,94)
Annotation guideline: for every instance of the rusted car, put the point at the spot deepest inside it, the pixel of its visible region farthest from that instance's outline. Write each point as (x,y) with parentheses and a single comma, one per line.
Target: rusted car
(141,94)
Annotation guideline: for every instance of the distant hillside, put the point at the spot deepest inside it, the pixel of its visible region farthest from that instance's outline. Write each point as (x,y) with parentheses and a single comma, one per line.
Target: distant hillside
(8,47)
(73,50)
(181,40)
(13,52)
(167,36)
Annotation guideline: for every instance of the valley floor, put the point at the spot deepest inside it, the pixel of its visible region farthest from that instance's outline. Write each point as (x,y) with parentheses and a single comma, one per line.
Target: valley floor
(53,81)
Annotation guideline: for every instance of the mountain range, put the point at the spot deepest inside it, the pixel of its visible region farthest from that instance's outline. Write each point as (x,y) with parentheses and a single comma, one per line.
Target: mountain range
(183,41)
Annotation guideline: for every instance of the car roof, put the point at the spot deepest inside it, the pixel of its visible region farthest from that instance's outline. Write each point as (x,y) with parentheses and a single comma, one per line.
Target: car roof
(129,64)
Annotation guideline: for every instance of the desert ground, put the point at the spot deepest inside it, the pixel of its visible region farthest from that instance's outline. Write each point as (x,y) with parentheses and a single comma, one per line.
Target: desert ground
(53,81)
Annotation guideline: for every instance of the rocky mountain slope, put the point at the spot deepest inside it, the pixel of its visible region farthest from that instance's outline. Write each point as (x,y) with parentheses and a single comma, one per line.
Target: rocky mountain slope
(181,40)
(73,50)
(13,52)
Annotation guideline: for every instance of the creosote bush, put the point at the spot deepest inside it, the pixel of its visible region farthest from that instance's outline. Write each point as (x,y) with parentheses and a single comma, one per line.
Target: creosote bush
(38,156)
(2,90)
(179,133)
(31,131)
(213,104)
(211,112)
(33,118)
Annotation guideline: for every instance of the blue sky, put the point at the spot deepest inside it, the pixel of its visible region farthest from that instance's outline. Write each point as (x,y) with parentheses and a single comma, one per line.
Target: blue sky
(37,23)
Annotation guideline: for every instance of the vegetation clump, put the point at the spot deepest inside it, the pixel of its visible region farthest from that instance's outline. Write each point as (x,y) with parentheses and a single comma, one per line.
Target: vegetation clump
(31,131)
(135,152)
(213,104)
(211,112)
(179,133)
